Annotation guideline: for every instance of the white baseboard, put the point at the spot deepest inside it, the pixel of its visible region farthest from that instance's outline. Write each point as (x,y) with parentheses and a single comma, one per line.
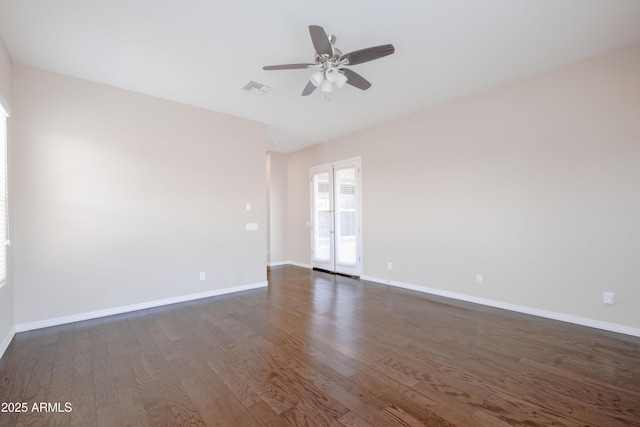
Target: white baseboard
(134,307)
(297,264)
(583,321)
(278,263)
(6,341)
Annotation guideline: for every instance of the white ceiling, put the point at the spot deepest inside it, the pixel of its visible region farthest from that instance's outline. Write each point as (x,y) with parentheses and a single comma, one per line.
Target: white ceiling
(202,52)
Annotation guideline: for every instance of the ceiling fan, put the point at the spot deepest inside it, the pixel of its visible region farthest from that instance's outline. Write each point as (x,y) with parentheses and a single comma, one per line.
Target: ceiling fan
(331,63)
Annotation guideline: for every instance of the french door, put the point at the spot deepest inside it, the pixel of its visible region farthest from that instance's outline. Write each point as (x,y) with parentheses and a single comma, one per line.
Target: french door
(335,217)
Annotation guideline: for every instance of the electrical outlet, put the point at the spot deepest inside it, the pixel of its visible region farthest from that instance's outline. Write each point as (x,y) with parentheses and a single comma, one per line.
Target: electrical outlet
(389,266)
(608,298)
(479,279)
(203,275)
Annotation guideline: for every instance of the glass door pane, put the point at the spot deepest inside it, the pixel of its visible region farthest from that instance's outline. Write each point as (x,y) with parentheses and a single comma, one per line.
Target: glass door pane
(322,228)
(346,232)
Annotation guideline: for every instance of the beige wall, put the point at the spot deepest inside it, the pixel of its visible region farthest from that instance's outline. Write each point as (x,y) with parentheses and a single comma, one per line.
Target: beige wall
(6,292)
(121,198)
(277,183)
(533,184)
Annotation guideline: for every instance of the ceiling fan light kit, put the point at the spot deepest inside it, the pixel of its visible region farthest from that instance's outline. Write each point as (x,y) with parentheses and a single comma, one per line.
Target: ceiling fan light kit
(331,74)
(324,80)
(341,80)
(317,78)
(332,63)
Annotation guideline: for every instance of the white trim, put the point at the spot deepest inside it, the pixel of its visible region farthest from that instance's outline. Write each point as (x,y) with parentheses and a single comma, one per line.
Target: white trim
(583,321)
(6,341)
(278,263)
(5,105)
(134,307)
(349,160)
(298,264)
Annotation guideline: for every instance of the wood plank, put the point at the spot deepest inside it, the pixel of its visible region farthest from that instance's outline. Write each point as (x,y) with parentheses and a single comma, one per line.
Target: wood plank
(83,401)
(129,402)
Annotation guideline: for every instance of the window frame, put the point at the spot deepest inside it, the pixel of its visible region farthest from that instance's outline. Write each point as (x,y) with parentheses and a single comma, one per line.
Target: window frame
(4,192)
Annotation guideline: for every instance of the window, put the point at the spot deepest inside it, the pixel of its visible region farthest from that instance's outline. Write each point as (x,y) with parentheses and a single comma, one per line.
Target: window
(3,197)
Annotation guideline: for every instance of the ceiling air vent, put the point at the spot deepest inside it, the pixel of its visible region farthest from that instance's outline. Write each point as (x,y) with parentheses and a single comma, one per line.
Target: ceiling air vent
(257,88)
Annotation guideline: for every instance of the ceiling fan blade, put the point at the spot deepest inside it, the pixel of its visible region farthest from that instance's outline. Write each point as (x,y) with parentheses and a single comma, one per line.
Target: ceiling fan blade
(308,89)
(369,54)
(320,40)
(356,80)
(286,66)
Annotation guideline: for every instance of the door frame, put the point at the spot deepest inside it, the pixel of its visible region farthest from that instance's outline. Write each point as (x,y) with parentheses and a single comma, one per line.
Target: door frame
(334,266)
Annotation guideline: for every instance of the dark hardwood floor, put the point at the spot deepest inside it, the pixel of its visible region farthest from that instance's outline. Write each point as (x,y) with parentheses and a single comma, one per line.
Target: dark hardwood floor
(316,349)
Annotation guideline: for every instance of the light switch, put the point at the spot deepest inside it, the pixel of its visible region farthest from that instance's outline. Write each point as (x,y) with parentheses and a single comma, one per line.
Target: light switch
(252,226)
